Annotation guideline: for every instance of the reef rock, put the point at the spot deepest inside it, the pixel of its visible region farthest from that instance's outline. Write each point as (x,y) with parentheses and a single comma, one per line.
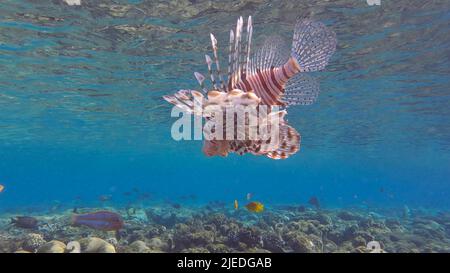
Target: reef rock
(273,242)
(52,247)
(139,247)
(300,242)
(73,247)
(349,216)
(218,248)
(195,250)
(157,244)
(22,251)
(32,241)
(187,236)
(96,245)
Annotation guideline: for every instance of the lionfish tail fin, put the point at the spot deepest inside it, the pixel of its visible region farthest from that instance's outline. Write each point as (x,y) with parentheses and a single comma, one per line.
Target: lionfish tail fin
(313,44)
(301,89)
(289,143)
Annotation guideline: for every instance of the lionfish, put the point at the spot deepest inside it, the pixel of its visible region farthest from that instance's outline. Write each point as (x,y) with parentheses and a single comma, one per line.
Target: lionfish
(265,78)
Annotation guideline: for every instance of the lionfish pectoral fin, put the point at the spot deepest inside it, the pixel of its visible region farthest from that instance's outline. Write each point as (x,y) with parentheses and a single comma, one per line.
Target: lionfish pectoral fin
(265,74)
(272,53)
(313,44)
(301,89)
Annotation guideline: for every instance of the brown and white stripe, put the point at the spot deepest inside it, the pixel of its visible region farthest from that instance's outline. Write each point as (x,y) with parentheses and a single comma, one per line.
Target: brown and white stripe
(269,84)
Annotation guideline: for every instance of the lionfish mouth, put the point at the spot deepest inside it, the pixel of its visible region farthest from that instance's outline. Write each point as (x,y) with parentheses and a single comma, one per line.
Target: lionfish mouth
(258,90)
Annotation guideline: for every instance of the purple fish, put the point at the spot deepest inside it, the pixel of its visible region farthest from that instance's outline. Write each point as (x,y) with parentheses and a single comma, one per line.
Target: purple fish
(25,222)
(102,220)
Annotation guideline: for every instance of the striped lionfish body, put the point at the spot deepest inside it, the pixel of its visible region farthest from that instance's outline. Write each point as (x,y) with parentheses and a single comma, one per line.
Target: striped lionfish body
(266,78)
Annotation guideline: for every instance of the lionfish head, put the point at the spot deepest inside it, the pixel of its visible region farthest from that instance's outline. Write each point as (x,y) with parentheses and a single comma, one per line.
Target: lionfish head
(216,147)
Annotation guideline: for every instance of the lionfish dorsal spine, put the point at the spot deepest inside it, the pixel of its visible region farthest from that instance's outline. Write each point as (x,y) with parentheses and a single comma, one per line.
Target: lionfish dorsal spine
(211,74)
(237,44)
(243,51)
(230,59)
(249,44)
(201,81)
(239,52)
(216,60)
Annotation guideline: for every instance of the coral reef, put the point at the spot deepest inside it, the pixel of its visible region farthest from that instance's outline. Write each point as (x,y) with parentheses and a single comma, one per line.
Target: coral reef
(32,242)
(53,246)
(96,245)
(208,229)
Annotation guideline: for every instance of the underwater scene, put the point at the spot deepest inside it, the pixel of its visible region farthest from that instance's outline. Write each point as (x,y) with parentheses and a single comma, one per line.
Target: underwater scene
(241,126)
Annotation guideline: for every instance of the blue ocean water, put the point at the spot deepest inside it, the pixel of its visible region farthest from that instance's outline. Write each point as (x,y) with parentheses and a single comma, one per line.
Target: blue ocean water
(82,114)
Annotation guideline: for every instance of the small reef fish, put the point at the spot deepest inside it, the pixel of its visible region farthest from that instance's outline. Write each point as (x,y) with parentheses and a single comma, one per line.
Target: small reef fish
(57,206)
(2,188)
(131,211)
(236,205)
(101,220)
(104,198)
(144,196)
(271,77)
(188,197)
(249,196)
(27,222)
(292,208)
(389,195)
(255,207)
(215,205)
(314,201)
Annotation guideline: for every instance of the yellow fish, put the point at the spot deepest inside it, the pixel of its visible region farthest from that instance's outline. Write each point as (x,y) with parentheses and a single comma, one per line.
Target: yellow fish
(2,187)
(255,207)
(236,204)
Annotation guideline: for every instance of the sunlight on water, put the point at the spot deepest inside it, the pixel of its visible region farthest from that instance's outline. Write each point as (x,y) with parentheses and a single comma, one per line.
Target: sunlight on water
(103,68)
